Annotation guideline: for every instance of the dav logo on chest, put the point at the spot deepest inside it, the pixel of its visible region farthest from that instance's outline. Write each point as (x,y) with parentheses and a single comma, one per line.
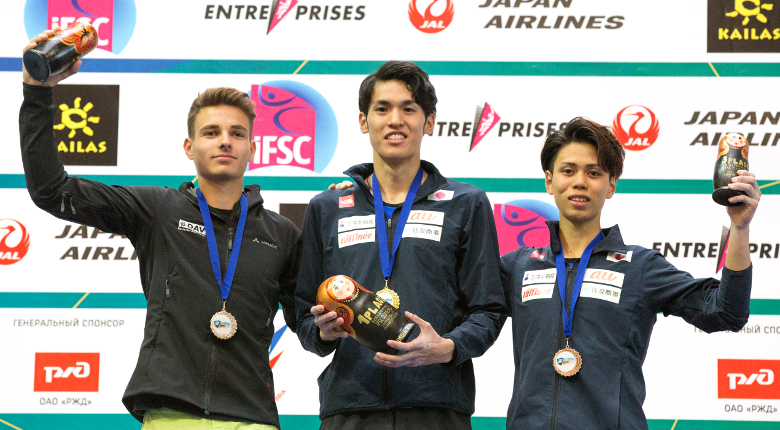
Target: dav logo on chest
(192,227)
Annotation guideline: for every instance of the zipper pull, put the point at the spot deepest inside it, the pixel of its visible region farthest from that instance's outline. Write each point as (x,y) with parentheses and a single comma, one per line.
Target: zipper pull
(167,289)
(230,238)
(389,222)
(62,204)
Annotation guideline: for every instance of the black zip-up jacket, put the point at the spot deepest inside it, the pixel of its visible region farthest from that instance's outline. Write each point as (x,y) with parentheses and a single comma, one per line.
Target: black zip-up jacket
(453,283)
(181,364)
(623,291)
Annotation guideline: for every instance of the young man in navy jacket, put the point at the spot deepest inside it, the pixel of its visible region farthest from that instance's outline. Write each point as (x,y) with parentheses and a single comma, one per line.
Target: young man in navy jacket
(583,369)
(193,366)
(445,271)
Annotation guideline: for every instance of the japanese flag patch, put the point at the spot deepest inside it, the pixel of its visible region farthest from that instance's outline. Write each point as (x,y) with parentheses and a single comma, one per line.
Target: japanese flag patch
(619,256)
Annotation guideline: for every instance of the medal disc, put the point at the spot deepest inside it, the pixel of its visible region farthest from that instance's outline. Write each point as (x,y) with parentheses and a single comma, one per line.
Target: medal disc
(223,325)
(567,362)
(389,296)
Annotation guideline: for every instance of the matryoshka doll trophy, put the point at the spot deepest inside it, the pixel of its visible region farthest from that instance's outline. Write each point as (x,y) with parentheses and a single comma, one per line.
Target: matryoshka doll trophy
(367,317)
(54,56)
(732,156)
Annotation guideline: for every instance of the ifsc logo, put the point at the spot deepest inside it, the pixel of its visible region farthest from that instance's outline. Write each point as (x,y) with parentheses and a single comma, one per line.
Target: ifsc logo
(522,223)
(428,22)
(114,20)
(295,126)
(636,127)
(14,241)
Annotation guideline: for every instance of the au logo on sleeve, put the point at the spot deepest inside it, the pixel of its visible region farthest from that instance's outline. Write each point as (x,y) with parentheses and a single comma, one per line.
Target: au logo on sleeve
(86,124)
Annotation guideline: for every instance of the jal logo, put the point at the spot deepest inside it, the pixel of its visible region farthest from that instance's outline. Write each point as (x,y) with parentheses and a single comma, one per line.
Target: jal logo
(14,241)
(636,127)
(436,16)
(74,372)
(347,201)
(487,118)
(114,20)
(522,223)
(295,127)
(748,379)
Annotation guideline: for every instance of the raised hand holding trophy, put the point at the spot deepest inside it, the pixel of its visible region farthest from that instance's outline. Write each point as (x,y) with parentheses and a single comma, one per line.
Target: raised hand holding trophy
(732,156)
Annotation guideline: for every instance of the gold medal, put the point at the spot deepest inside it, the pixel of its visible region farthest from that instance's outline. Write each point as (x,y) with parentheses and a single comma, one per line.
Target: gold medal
(567,362)
(389,296)
(223,324)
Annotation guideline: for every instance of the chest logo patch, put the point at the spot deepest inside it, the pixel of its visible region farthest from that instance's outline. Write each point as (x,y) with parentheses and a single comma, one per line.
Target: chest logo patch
(192,227)
(615,256)
(546,276)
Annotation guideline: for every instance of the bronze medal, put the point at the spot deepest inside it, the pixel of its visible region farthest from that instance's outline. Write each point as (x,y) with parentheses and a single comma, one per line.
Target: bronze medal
(567,362)
(223,324)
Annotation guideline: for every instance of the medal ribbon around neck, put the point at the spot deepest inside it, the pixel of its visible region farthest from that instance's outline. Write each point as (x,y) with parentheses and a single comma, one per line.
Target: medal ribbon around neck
(385,258)
(224,286)
(560,265)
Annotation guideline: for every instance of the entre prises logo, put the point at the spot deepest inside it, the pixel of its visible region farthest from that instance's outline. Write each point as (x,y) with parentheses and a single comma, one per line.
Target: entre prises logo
(487,118)
(295,126)
(522,223)
(114,20)
(436,16)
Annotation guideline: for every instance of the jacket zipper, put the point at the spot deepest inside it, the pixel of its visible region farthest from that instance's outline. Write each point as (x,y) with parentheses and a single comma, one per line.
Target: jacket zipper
(212,367)
(560,339)
(70,200)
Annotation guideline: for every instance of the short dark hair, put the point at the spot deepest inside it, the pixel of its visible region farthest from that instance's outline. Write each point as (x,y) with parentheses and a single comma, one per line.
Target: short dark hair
(416,81)
(610,153)
(219,97)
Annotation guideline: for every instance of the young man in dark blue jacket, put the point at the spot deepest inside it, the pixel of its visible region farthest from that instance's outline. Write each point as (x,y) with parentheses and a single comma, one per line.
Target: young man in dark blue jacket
(583,369)
(445,271)
(214,263)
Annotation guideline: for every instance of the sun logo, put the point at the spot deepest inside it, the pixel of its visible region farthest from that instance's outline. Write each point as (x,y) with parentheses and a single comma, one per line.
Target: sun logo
(740,9)
(77,110)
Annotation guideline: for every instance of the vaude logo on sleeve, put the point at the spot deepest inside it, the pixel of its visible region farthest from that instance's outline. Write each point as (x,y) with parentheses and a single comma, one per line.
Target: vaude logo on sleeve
(75,372)
(192,227)
(748,379)
(546,276)
(620,256)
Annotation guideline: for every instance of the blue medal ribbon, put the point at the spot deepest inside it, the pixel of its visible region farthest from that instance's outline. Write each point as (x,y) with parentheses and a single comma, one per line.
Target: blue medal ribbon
(385,257)
(560,265)
(224,286)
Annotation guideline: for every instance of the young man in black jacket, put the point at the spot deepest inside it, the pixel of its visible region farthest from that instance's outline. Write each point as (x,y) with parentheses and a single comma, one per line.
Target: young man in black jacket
(583,369)
(443,266)
(214,263)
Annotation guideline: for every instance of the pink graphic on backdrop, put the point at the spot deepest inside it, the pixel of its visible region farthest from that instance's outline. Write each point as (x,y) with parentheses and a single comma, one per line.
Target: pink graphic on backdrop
(488,118)
(285,129)
(282,8)
(98,13)
(517,226)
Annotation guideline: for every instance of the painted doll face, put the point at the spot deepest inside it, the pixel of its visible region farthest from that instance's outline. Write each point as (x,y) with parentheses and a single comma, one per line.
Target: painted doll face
(341,289)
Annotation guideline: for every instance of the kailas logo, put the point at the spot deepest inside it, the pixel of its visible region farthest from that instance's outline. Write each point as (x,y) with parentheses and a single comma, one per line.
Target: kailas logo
(77,372)
(636,127)
(487,118)
(14,241)
(114,20)
(430,21)
(279,9)
(522,223)
(741,10)
(748,379)
(88,124)
(192,227)
(295,126)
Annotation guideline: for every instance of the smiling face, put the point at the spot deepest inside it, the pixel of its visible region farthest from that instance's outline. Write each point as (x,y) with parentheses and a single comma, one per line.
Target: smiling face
(395,124)
(579,185)
(221,146)
(341,289)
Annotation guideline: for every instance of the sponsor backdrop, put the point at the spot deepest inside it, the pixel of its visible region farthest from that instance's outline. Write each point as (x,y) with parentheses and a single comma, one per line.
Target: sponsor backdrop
(669,77)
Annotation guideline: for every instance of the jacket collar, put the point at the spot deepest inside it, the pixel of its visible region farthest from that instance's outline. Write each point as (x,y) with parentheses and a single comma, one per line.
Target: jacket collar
(251,191)
(613,241)
(434,182)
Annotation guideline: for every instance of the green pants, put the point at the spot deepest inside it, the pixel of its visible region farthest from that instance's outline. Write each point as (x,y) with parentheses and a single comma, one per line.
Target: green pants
(166,419)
